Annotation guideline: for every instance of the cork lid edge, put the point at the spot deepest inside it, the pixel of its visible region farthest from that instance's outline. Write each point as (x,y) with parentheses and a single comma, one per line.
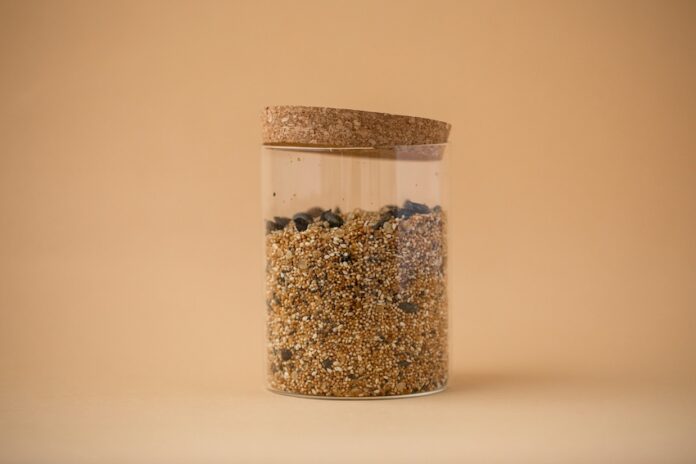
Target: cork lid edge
(340,127)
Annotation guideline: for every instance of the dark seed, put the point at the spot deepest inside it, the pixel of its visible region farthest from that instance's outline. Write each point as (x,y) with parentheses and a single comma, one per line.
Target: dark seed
(285,354)
(333,219)
(408,308)
(381,221)
(327,363)
(390,210)
(303,216)
(404,363)
(410,208)
(278,224)
(345,258)
(302,221)
(281,221)
(315,212)
(404,213)
(417,208)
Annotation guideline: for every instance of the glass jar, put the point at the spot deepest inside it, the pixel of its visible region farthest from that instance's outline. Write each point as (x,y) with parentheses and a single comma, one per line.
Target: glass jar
(356,281)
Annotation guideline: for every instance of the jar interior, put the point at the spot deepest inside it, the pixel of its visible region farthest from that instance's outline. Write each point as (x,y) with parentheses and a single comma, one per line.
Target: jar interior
(356,288)
(300,178)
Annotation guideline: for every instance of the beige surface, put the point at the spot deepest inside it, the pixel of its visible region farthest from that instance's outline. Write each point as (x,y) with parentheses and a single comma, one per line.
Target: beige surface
(131,314)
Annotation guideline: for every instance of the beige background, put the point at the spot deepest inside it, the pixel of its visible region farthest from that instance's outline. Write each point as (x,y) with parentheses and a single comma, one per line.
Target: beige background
(131,316)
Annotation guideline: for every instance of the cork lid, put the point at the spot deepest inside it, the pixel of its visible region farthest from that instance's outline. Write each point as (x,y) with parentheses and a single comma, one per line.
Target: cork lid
(337,127)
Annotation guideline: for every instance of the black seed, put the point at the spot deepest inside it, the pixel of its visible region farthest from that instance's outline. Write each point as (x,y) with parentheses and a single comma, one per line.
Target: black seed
(353,376)
(404,363)
(408,308)
(315,212)
(333,219)
(281,221)
(285,354)
(327,363)
(302,220)
(345,258)
(389,210)
(417,208)
(404,213)
(304,216)
(270,226)
(381,221)
(410,208)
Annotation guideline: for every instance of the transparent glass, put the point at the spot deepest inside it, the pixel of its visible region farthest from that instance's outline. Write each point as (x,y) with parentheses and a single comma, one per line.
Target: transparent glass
(356,275)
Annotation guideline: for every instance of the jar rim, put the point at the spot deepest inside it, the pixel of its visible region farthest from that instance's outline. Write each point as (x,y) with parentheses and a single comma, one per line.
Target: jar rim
(421,152)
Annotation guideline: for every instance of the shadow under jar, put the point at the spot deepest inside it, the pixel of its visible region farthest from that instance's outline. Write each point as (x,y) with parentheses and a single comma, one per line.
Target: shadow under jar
(356,281)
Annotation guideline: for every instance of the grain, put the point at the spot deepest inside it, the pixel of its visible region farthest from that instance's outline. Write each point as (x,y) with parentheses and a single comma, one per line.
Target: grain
(357,310)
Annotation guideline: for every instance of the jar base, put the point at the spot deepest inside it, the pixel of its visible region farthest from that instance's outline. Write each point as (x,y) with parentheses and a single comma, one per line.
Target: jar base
(356,398)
